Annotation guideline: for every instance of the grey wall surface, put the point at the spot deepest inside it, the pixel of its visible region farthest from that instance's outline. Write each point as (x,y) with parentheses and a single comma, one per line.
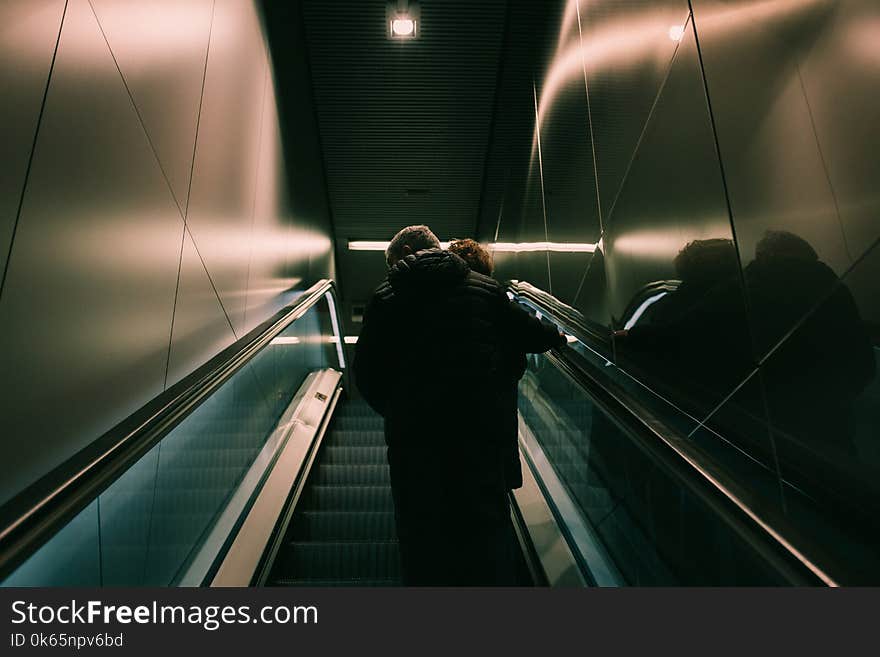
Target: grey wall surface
(659,123)
(148,209)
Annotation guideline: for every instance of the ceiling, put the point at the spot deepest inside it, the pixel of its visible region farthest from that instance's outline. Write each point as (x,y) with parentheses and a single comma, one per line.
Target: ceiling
(435,130)
(404,125)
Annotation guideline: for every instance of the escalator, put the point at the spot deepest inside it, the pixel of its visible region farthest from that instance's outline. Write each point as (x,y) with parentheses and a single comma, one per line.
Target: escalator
(342,531)
(260,469)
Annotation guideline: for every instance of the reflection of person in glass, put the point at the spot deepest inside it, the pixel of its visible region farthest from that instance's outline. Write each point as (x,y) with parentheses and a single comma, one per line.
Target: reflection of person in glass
(691,346)
(693,340)
(824,357)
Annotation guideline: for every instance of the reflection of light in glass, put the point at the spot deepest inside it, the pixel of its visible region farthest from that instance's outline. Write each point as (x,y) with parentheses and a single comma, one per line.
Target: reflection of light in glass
(740,16)
(403,27)
(349,339)
(676,32)
(333,321)
(284,340)
(647,303)
(155,39)
(664,245)
(617,44)
(863,42)
(568,28)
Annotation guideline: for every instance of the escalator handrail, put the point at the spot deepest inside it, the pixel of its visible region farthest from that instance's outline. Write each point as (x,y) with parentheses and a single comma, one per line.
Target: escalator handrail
(568,318)
(37,513)
(773,538)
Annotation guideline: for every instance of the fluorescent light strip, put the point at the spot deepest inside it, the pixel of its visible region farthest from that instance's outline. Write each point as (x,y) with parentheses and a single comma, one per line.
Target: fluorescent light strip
(647,303)
(285,340)
(369,245)
(556,247)
(498,247)
(349,339)
(366,245)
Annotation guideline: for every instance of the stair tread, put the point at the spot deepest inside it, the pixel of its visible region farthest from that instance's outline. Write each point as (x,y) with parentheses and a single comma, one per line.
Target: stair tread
(343,532)
(358,581)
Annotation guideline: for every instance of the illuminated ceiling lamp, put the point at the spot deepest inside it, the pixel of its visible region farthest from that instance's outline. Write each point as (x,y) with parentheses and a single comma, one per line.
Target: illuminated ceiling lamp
(402,20)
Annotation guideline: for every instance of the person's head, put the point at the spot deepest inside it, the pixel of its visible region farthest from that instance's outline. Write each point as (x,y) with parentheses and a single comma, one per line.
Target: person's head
(778,244)
(474,254)
(411,239)
(706,261)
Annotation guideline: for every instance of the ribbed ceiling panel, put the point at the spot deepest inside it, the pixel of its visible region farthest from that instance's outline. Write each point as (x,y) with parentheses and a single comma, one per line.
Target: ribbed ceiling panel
(404,125)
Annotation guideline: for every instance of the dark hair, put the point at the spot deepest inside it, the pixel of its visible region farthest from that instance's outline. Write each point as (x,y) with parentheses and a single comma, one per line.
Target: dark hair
(782,244)
(417,238)
(474,254)
(706,261)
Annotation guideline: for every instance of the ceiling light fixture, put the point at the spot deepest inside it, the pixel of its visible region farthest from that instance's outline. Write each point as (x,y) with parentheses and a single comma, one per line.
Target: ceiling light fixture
(555,247)
(402,20)
(403,27)
(373,245)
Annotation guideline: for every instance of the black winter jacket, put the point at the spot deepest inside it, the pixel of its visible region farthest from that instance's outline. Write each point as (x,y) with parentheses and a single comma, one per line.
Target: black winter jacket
(439,350)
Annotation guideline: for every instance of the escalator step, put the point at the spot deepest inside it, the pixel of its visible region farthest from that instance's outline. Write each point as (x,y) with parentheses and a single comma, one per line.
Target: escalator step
(344,455)
(344,525)
(356,438)
(320,583)
(359,423)
(355,408)
(352,475)
(348,498)
(341,560)
(343,531)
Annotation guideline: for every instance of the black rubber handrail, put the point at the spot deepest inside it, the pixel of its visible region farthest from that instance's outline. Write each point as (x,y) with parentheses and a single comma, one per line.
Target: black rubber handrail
(568,318)
(36,514)
(769,535)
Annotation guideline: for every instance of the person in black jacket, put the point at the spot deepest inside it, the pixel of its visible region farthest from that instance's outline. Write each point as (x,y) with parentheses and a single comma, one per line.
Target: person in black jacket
(432,360)
(480,260)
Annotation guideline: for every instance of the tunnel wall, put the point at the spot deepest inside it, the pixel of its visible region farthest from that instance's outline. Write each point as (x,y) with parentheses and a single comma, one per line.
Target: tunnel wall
(645,126)
(150,210)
